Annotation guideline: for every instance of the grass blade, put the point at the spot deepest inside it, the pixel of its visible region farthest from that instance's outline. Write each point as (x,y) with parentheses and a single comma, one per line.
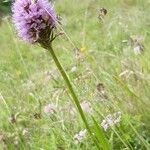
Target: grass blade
(101,136)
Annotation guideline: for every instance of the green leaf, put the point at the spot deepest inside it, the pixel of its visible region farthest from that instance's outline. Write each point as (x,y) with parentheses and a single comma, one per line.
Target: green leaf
(101,136)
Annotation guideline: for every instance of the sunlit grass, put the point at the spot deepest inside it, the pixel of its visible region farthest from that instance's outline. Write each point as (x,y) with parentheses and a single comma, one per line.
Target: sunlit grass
(95,52)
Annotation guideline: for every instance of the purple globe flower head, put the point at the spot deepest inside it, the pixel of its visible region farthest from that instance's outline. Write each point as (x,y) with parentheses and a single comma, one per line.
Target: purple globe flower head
(34,20)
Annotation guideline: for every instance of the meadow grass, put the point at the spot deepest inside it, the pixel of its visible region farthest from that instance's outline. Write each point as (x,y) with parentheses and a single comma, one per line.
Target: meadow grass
(98,55)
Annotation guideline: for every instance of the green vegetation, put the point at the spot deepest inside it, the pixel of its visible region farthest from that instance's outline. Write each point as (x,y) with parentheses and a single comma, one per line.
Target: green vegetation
(107,58)
(5,6)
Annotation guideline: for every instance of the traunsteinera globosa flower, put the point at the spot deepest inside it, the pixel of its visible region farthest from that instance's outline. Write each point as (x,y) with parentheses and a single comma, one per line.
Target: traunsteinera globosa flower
(34,20)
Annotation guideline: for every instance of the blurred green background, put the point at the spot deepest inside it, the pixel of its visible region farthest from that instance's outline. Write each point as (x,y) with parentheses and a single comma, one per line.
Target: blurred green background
(4,7)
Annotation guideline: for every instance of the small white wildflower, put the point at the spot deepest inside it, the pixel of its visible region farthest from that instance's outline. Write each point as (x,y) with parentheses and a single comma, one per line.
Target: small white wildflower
(137,43)
(29,85)
(79,137)
(110,120)
(25,131)
(73,69)
(138,49)
(86,107)
(50,109)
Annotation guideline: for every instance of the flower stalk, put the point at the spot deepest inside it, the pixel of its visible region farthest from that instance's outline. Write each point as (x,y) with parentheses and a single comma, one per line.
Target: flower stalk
(35,22)
(72,93)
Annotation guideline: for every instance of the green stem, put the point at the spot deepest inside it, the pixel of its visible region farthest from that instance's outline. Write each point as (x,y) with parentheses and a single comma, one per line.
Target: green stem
(74,96)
